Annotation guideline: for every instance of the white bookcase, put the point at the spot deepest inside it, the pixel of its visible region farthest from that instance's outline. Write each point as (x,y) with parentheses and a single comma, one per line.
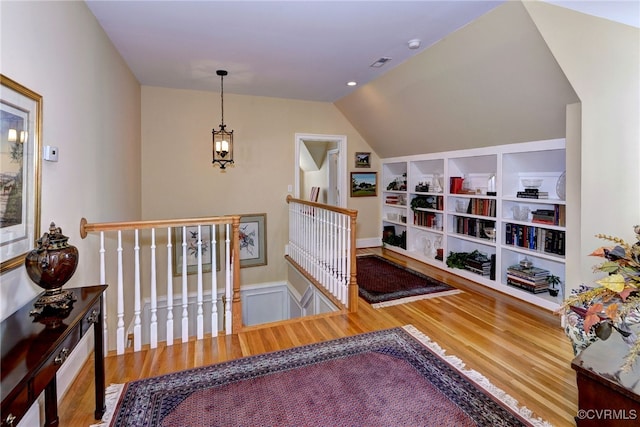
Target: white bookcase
(452,217)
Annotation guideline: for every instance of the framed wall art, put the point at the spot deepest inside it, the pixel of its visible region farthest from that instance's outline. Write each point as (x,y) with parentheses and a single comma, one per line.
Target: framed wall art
(364,184)
(20,148)
(253,240)
(192,249)
(363,160)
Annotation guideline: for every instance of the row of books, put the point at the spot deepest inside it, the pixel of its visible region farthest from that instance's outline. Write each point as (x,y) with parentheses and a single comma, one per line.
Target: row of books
(535,238)
(526,287)
(424,219)
(530,279)
(472,226)
(555,216)
(484,207)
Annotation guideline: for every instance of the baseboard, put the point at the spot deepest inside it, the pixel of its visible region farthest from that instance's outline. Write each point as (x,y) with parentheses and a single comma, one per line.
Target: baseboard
(370,242)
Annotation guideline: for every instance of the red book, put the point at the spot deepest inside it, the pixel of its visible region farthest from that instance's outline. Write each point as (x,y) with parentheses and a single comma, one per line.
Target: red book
(456,184)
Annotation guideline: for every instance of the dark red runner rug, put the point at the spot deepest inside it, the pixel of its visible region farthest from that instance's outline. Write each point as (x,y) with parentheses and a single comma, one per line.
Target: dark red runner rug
(396,377)
(381,282)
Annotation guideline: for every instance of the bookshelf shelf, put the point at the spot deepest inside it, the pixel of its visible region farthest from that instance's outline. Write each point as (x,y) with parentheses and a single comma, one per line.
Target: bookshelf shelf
(475,189)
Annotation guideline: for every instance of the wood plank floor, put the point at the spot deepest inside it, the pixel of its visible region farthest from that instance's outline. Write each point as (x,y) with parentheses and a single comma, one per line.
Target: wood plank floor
(519,347)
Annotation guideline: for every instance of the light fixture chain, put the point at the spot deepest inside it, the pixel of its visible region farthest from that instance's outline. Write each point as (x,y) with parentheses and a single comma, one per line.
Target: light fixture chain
(222,97)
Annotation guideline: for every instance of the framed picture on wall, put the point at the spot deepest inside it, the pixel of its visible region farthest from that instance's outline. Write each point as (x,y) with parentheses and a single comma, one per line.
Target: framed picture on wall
(363,160)
(364,184)
(253,240)
(20,139)
(191,240)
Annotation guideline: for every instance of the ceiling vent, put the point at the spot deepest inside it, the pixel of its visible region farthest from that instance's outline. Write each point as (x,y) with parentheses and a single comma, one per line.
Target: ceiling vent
(380,62)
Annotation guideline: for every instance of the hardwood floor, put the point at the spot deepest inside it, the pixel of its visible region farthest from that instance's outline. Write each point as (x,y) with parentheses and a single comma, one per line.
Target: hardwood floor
(518,347)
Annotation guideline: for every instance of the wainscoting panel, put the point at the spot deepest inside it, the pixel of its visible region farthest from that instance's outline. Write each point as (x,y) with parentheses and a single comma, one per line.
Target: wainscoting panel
(263,304)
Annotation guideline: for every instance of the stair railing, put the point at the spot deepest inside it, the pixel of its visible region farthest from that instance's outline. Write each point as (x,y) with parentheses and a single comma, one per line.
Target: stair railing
(322,247)
(129,256)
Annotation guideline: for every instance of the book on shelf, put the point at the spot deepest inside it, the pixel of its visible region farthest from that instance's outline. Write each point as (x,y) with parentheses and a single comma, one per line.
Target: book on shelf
(526,281)
(482,272)
(455,184)
(535,238)
(528,272)
(526,287)
(527,195)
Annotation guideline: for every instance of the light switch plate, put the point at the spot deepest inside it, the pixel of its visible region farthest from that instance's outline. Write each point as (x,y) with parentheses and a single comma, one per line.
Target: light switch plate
(50,153)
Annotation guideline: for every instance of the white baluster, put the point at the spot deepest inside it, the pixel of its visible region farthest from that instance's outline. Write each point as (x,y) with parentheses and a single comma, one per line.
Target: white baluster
(214,282)
(169,289)
(185,295)
(347,238)
(200,316)
(332,252)
(228,286)
(120,308)
(137,324)
(341,256)
(153,327)
(103,280)
(345,257)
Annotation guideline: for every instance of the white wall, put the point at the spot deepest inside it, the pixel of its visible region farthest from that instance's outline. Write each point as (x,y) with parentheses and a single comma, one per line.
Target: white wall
(91,112)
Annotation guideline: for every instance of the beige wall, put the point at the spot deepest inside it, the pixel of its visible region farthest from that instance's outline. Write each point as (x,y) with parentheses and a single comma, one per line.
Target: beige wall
(91,112)
(602,61)
(178,179)
(492,82)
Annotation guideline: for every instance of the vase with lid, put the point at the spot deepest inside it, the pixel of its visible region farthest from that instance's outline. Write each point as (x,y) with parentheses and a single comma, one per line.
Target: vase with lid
(50,266)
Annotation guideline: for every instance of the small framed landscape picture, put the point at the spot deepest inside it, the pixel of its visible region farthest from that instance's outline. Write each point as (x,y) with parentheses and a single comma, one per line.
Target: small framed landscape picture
(363,160)
(253,240)
(364,184)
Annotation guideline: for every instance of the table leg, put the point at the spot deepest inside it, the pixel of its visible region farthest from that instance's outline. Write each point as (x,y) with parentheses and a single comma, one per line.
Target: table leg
(98,328)
(51,404)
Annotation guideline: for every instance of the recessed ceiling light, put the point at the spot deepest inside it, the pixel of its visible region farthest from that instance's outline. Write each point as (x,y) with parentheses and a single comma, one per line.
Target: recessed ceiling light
(352,83)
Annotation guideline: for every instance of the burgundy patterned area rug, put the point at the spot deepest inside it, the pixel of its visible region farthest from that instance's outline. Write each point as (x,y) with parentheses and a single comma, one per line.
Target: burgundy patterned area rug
(396,377)
(382,283)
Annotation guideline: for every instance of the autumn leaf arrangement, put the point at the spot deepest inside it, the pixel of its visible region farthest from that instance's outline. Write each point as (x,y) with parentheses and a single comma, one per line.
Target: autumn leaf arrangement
(616,299)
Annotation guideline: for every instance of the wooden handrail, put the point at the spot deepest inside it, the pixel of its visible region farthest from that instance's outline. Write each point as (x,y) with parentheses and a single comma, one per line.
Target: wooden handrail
(234,220)
(351,212)
(86,227)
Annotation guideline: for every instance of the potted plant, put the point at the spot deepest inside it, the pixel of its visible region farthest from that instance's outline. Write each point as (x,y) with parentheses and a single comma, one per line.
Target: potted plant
(554,284)
(614,304)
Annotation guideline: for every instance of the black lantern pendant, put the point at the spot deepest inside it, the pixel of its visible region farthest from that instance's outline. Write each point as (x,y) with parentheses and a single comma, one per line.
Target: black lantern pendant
(222,139)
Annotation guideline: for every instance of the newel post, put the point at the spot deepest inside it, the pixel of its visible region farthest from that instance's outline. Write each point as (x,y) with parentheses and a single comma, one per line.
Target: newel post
(235,301)
(353,282)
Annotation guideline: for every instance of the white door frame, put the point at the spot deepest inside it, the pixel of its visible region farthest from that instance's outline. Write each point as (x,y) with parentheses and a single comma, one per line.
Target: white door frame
(341,144)
(331,177)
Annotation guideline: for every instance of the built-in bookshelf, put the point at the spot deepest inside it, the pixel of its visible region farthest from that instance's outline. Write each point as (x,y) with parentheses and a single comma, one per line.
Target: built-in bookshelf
(503,204)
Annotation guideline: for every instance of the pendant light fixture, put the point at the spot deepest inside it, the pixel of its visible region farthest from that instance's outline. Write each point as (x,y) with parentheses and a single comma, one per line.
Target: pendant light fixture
(222,139)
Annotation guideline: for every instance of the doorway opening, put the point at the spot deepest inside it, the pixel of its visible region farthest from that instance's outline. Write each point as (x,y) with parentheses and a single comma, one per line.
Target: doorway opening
(321,163)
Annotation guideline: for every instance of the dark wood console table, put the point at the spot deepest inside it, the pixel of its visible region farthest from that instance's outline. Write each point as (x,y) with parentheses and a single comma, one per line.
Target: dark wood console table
(32,354)
(607,396)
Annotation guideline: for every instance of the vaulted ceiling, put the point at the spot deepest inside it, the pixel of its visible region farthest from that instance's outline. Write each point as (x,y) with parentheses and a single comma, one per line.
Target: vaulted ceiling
(482,76)
(304,49)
